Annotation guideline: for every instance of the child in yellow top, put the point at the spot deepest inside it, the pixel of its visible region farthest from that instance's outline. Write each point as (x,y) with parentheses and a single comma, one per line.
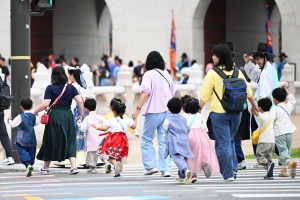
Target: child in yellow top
(125,116)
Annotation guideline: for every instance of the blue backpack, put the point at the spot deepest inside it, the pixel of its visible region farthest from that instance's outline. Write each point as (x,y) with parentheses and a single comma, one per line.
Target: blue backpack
(235,95)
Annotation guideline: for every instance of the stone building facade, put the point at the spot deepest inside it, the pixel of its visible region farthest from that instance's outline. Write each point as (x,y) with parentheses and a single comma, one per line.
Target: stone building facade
(132,28)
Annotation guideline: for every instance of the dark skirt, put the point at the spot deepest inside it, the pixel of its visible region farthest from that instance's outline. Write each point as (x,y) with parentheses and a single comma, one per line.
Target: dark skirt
(59,140)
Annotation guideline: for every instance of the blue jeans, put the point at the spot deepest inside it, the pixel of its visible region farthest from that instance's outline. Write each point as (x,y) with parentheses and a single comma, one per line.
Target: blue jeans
(239,151)
(104,82)
(225,126)
(153,122)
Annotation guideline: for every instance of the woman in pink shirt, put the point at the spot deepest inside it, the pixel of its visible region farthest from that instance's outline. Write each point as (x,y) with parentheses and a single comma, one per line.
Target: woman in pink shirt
(157,90)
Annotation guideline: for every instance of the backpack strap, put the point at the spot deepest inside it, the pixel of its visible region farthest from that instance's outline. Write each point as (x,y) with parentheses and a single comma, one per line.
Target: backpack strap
(220,72)
(235,73)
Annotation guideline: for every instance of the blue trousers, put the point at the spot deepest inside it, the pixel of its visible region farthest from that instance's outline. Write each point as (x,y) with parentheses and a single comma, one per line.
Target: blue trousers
(239,151)
(225,126)
(153,122)
(180,162)
(27,154)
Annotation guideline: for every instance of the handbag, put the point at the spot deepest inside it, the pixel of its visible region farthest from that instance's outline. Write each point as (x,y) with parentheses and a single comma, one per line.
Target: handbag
(256,134)
(45,117)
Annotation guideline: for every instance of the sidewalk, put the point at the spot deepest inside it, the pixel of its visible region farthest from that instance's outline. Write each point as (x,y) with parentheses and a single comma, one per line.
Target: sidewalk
(135,157)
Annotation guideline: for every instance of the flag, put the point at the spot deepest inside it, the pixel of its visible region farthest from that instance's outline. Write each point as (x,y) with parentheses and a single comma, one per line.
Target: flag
(173,47)
(268,31)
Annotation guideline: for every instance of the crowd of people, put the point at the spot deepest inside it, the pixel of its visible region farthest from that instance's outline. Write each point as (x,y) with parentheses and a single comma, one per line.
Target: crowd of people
(182,132)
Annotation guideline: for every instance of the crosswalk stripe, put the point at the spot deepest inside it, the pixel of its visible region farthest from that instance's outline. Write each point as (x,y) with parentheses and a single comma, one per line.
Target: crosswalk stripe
(265,195)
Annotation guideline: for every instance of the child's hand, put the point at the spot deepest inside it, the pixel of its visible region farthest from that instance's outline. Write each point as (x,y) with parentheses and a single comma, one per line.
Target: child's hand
(256,113)
(284,85)
(9,117)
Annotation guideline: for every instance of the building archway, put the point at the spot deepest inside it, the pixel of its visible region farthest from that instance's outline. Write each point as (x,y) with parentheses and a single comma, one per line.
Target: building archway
(253,31)
(105,32)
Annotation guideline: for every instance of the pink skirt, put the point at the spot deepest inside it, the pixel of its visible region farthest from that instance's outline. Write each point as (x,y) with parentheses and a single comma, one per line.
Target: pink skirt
(204,152)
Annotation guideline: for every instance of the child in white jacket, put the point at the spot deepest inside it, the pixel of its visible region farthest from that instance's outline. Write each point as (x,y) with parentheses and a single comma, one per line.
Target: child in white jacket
(284,128)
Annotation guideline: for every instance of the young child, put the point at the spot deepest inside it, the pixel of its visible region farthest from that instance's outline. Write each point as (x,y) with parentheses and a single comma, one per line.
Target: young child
(266,142)
(25,139)
(92,136)
(205,160)
(125,116)
(177,143)
(284,128)
(115,144)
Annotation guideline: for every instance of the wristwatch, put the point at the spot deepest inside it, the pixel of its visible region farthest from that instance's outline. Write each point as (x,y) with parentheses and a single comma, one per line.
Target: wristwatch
(138,108)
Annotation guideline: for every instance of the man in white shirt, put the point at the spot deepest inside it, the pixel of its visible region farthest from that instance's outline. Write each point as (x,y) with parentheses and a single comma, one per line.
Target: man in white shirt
(265,76)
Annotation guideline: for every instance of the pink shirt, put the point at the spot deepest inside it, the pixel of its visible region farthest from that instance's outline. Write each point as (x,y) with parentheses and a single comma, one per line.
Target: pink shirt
(158,89)
(92,135)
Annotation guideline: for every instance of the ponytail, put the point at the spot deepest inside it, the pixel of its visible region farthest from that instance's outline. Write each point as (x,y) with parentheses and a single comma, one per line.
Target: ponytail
(119,108)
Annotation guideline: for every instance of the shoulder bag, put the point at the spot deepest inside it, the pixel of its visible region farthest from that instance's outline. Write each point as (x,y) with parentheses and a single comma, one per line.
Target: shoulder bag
(45,117)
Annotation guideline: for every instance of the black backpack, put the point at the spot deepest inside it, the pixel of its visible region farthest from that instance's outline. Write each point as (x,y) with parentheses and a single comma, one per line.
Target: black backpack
(235,95)
(5,97)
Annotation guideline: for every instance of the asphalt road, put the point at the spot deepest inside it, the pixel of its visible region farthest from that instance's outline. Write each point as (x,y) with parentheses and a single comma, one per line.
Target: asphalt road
(134,185)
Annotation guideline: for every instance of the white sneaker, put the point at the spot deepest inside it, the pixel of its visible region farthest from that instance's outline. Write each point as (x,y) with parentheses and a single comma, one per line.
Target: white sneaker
(179,180)
(8,161)
(257,165)
(166,174)
(117,168)
(92,170)
(73,171)
(229,179)
(44,171)
(242,165)
(150,171)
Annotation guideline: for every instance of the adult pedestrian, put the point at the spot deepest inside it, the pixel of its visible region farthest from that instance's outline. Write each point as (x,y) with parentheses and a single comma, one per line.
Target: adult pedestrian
(5,141)
(4,69)
(157,90)
(281,63)
(224,124)
(117,70)
(265,76)
(59,140)
(104,74)
(243,132)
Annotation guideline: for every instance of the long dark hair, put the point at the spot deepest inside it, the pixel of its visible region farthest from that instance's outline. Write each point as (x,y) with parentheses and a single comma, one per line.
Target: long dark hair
(223,52)
(106,65)
(154,60)
(76,73)
(59,76)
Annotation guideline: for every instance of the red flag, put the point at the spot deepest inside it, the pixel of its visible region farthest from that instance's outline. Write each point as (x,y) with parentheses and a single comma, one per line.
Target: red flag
(173,47)
(268,31)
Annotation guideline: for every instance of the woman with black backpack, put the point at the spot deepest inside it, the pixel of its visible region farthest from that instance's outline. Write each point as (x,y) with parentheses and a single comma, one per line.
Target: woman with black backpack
(225,113)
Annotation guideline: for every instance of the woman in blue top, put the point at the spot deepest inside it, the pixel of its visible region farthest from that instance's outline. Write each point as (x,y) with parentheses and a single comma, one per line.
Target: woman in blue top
(59,140)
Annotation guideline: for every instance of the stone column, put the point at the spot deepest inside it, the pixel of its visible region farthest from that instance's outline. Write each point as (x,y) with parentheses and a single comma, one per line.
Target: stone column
(125,80)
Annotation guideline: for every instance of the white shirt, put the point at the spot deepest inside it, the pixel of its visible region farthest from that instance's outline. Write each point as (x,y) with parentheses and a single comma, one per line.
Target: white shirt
(268,135)
(18,120)
(199,122)
(118,124)
(265,78)
(82,93)
(281,116)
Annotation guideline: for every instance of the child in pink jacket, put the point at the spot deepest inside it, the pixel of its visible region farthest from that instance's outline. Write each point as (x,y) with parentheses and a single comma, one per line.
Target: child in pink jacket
(92,135)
